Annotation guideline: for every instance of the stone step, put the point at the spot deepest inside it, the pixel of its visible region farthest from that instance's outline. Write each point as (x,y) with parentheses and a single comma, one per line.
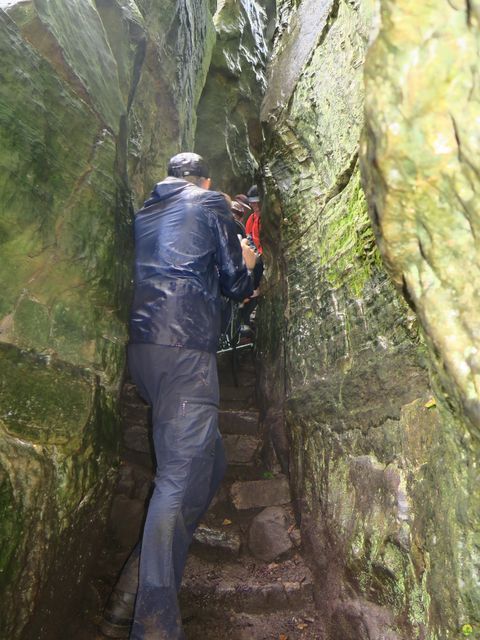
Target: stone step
(246,586)
(241,449)
(224,540)
(292,625)
(254,494)
(238,422)
(241,398)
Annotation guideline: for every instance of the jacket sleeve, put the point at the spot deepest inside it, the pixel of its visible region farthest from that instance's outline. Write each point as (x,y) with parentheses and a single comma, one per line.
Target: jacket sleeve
(236,281)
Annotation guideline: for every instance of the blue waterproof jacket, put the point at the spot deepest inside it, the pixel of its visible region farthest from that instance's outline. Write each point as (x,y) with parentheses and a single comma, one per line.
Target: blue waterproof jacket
(187,253)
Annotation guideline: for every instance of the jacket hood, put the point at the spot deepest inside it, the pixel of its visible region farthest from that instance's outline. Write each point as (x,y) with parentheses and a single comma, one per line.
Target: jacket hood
(166,189)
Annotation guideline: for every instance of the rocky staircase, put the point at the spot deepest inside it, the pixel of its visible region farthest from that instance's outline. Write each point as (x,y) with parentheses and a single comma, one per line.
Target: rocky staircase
(245,578)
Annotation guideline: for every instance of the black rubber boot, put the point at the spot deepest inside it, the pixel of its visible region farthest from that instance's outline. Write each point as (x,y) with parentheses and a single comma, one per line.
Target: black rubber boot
(118,615)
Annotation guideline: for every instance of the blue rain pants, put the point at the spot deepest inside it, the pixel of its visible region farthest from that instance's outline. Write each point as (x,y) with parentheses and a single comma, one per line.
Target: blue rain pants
(182,387)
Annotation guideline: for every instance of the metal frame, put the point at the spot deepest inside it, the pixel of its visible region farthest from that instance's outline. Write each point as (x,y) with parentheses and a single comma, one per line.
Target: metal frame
(230,338)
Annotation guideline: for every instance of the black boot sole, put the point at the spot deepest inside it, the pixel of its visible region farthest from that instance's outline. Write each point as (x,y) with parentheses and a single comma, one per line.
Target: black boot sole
(112,630)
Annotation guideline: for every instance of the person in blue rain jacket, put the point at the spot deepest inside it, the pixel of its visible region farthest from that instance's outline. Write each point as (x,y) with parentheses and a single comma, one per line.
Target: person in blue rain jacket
(187,255)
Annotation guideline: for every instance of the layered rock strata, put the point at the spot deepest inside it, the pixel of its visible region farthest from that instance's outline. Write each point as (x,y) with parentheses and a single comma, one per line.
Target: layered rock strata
(383,473)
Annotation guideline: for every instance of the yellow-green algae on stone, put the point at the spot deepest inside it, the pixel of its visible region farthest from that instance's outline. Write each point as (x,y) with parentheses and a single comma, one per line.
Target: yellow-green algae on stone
(420,157)
(420,163)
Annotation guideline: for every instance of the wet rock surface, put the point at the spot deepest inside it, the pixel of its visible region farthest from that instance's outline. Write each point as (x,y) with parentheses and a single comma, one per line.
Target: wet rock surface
(423,202)
(379,495)
(383,469)
(228,129)
(94,96)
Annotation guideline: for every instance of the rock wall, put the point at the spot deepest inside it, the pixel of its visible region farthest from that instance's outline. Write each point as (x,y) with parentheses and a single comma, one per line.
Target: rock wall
(228,127)
(420,164)
(94,97)
(383,473)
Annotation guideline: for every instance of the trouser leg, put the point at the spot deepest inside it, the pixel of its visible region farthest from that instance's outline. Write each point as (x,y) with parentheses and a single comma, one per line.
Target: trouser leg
(184,529)
(128,581)
(184,397)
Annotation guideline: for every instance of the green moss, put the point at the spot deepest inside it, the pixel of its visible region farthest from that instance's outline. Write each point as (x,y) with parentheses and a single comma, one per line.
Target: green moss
(43,402)
(32,323)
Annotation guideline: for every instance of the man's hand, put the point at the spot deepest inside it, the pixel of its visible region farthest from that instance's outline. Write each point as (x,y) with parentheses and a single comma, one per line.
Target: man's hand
(248,254)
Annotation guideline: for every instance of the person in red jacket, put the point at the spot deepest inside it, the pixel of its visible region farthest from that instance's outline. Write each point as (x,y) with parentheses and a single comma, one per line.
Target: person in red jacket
(253,229)
(253,226)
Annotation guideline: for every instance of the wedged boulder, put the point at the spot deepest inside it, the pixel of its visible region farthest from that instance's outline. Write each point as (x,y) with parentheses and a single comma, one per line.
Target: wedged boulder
(268,535)
(224,539)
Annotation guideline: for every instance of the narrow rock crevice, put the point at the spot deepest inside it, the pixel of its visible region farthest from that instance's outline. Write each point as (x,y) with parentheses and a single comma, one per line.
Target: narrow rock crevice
(353,441)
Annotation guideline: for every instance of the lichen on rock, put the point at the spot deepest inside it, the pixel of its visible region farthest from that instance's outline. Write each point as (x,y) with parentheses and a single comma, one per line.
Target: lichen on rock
(419,167)
(420,149)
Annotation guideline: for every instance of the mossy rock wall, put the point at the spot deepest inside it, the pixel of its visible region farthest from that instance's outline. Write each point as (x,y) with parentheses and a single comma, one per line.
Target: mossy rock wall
(94,97)
(383,469)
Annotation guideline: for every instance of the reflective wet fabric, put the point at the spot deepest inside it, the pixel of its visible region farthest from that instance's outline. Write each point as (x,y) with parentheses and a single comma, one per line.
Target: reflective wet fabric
(186,254)
(182,387)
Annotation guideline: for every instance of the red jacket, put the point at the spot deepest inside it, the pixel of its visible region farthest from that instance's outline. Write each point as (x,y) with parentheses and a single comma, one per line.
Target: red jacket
(252,228)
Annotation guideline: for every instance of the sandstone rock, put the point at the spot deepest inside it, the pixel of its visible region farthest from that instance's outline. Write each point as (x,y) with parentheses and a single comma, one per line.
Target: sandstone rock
(423,201)
(88,110)
(348,364)
(268,535)
(424,235)
(238,75)
(260,493)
